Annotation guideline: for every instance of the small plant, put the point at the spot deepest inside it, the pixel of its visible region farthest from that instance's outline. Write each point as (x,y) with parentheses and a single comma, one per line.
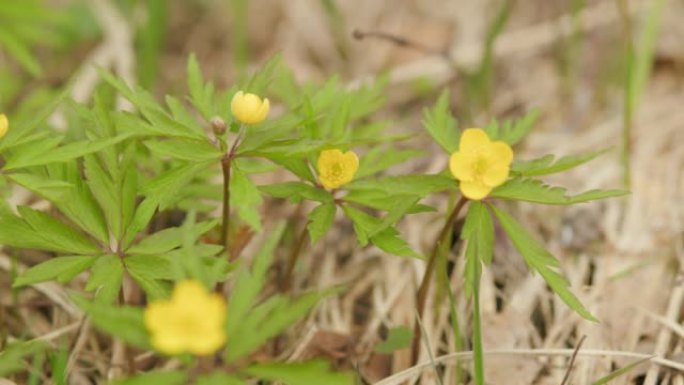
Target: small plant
(114,179)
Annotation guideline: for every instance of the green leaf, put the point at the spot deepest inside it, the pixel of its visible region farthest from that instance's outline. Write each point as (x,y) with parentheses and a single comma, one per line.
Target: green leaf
(63,269)
(184,149)
(479,228)
(51,229)
(106,278)
(532,190)
(219,379)
(48,188)
(308,373)
(397,339)
(246,197)
(164,188)
(512,131)
(363,223)
(418,185)
(381,158)
(200,95)
(125,322)
(155,378)
(401,206)
(168,239)
(62,154)
(539,260)
(148,270)
(390,241)
(320,220)
(248,283)
(381,200)
(12,356)
(296,192)
(546,165)
(441,124)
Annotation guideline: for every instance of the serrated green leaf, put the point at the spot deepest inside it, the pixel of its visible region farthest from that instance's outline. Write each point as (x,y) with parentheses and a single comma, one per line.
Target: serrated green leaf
(401,206)
(184,149)
(60,268)
(539,260)
(168,239)
(363,223)
(296,192)
(106,278)
(320,220)
(479,228)
(309,373)
(441,124)
(381,158)
(164,188)
(62,154)
(51,229)
(532,190)
(512,131)
(381,200)
(397,338)
(200,95)
(418,185)
(48,188)
(390,241)
(546,165)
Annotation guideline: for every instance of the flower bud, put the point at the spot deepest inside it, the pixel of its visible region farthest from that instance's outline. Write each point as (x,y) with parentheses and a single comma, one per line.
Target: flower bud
(218,125)
(4,125)
(249,108)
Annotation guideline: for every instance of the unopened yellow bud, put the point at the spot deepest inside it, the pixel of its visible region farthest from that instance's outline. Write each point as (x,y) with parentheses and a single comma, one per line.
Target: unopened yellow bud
(249,108)
(4,125)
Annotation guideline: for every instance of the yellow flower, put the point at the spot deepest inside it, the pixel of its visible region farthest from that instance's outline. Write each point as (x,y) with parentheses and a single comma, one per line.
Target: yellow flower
(249,108)
(191,320)
(336,168)
(480,164)
(4,125)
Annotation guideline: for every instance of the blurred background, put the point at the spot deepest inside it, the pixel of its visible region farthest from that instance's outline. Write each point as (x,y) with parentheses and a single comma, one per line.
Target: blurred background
(601,73)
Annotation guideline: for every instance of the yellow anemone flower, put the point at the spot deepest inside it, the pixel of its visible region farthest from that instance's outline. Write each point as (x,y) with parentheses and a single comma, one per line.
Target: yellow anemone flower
(4,125)
(249,108)
(190,321)
(480,164)
(336,168)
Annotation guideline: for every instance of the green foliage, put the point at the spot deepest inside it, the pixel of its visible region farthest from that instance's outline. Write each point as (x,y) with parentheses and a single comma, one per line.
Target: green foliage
(512,131)
(548,164)
(124,322)
(532,190)
(441,125)
(13,355)
(310,373)
(539,260)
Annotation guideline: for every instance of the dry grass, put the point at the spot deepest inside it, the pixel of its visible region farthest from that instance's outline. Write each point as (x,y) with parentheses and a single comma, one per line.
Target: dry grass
(623,256)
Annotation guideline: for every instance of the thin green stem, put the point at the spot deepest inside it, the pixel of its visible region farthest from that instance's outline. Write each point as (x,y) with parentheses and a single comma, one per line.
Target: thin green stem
(478,357)
(421,295)
(226,164)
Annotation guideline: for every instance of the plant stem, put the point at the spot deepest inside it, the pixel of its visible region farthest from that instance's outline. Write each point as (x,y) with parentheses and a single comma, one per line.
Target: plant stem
(226,164)
(421,295)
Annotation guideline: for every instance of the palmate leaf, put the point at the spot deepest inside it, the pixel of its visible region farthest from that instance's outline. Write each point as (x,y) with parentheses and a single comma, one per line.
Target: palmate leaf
(417,185)
(380,158)
(296,192)
(201,94)
(381,200)
(246,197)
(441,124)
(386,239)
(532,190)
(512,131)
(541,261)
(305,373)
(105,278)
(125,322)
(548,164)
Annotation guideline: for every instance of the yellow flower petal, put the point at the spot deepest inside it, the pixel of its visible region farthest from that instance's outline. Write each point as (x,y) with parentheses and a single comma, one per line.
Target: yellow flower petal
(502,153)
(4,125)
(475,190)
(473,140)
(192,320)
(462,166)
(495,176)
(336,168)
